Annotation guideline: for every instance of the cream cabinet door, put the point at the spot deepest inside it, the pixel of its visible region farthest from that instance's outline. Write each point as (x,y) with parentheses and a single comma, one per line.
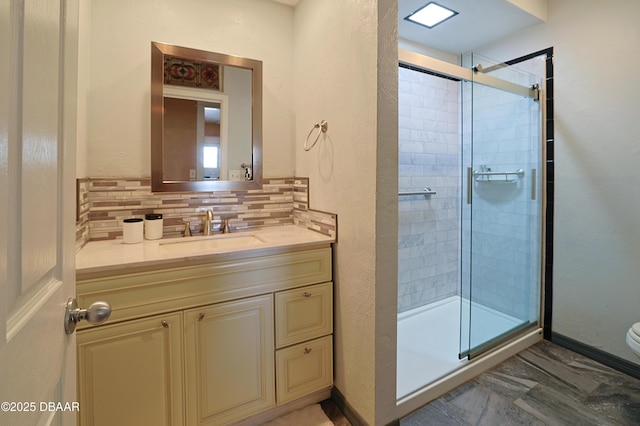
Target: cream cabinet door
(230,361)
(131,373)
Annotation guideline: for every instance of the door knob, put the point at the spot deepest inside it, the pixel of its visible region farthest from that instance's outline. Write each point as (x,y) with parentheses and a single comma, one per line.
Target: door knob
(96,313)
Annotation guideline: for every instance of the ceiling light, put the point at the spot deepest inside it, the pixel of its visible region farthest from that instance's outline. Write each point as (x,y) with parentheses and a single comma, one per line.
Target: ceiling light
(431,15)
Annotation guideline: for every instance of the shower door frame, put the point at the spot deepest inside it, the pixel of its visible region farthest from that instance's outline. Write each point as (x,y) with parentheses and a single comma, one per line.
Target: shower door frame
(407,57)
(514,343)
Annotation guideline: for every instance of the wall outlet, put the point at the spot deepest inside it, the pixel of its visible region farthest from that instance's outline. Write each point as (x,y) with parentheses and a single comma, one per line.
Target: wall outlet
(236,174)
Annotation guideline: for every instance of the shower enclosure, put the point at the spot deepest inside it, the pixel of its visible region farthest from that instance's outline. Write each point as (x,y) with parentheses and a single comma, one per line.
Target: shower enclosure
(470,212)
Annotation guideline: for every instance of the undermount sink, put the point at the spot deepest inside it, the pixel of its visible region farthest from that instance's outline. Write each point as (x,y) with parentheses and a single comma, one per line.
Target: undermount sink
(217,242)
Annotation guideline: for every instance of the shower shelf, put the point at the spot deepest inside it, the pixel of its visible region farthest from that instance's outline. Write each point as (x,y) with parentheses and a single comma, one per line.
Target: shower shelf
(497,177)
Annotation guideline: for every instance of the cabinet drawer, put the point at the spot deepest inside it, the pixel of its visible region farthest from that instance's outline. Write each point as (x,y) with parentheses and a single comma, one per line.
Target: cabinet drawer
(304,368)
(303,314)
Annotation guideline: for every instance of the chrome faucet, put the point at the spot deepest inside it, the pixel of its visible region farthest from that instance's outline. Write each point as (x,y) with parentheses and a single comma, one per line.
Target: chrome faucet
(207,222)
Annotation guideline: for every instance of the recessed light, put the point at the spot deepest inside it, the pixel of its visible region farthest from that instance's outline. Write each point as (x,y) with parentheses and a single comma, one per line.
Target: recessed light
(431,15)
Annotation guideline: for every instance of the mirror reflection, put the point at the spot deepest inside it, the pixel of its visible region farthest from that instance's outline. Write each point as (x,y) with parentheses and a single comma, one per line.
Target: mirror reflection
(191,140)
(206,120)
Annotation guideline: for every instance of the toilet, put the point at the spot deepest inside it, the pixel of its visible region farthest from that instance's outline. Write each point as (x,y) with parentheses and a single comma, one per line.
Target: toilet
(633,338)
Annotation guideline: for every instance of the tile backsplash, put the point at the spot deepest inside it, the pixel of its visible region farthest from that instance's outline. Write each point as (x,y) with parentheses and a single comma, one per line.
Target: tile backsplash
(104,202)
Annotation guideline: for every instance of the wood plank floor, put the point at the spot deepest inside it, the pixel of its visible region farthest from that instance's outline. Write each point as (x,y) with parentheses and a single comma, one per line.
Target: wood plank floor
(543,385)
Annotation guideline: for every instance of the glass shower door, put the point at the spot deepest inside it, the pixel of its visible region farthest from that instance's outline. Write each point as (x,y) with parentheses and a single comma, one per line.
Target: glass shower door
(501,210)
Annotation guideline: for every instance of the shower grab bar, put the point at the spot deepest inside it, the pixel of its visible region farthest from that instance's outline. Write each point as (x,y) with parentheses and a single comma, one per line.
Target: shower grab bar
(426,191)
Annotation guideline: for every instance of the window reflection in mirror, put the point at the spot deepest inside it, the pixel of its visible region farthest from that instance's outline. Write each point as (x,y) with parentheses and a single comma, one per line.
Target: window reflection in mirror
(192,128)
(209,167)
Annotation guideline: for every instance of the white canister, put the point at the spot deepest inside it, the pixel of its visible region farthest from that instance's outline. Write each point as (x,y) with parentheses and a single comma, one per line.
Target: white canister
(153,226)
(132,230)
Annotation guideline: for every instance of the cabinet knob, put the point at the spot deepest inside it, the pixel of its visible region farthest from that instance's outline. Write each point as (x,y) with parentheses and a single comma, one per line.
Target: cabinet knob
(201,316)
(307,350)
(305,294)
(164,324)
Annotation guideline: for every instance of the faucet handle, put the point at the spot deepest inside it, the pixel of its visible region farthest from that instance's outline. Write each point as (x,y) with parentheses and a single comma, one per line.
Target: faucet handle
(187,228)
(225,226)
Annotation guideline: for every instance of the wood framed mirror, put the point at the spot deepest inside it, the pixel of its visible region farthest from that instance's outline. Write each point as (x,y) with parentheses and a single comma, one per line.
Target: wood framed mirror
(206,121)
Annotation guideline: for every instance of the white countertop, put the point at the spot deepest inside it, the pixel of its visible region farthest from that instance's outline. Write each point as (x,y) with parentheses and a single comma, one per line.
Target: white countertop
(114,256)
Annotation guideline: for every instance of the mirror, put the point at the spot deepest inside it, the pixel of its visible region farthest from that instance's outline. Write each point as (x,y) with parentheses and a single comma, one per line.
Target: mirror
(206,120)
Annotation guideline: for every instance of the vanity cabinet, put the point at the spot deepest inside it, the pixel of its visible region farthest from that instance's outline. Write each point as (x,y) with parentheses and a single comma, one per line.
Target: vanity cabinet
(207,344)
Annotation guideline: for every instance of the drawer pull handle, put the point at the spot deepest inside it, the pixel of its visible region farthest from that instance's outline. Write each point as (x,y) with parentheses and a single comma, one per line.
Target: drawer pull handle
(164,324)
(201,316)
(307,350)
(305,294)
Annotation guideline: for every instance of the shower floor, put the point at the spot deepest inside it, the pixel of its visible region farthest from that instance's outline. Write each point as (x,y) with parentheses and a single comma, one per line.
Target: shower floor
(429,340)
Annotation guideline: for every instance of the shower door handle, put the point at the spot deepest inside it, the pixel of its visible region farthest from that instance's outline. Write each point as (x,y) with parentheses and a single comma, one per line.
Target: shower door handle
(469,184)
(533,184)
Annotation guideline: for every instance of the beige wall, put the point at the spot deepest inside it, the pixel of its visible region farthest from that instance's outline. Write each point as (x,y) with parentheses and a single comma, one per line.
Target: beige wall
(596,284)
(346,73)
(115,73)
(343,72)
(84,49)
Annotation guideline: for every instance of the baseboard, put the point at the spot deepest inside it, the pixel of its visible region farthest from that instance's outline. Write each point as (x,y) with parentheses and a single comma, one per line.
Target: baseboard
(610,360)
(352,415)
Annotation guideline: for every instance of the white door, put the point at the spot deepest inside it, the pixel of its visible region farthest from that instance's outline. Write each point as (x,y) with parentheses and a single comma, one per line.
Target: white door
(38,65)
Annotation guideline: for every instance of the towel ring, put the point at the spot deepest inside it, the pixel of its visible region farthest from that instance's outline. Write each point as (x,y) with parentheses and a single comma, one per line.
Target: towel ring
(323,126)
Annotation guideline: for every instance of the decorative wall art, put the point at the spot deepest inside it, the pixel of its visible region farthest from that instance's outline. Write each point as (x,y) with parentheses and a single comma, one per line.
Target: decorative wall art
(187,72)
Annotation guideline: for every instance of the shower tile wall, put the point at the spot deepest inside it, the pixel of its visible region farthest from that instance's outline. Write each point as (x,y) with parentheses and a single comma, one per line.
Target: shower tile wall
(429,156)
